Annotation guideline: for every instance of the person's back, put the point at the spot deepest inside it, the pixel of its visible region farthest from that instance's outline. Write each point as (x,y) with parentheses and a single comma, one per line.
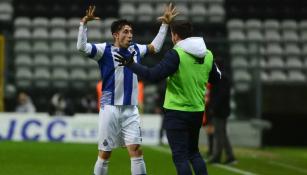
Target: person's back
(186,88)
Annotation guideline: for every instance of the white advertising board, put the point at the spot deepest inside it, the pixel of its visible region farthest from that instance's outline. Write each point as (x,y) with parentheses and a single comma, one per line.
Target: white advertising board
(81,128)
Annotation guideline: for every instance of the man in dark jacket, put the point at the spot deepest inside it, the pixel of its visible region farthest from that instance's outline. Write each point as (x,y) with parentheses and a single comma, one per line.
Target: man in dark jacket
(188,67)
(220,110)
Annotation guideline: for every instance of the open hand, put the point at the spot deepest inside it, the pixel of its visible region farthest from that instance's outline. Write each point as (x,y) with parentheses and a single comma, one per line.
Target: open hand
(89,16)
(169,14)
(124,60)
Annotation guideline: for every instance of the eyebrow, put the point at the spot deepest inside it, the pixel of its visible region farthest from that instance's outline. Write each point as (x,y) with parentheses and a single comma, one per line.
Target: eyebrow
(128,30)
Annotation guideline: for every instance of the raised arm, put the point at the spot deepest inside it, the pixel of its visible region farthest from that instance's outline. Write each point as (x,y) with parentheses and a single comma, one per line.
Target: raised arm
(94,51)
(169,14)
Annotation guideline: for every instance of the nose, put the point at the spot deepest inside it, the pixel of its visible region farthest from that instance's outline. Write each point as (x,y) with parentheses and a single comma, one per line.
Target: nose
(130,35)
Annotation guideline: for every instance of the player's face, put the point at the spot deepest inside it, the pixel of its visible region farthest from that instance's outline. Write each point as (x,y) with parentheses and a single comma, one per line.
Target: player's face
(123,38)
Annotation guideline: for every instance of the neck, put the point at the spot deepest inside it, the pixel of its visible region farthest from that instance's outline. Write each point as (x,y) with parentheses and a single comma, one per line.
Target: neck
(116,44)
(177,41)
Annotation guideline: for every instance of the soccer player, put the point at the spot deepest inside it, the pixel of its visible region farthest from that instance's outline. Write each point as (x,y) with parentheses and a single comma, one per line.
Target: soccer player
(119,121)
(189,66)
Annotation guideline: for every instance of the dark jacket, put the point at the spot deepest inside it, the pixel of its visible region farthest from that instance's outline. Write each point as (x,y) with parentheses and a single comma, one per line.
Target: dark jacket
(220,98)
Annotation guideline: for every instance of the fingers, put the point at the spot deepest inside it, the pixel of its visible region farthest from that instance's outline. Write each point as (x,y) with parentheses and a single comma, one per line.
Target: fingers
(121,61)
(174,10)
(118,60)
(121,64)
(161,17)
(119,57)
(89,10)
(170,12)
(90,13)
(133,53)
(170,7)
(175,14)
(93,10)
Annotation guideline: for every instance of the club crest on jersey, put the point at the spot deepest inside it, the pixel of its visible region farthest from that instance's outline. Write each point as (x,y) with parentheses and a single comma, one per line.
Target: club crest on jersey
(105,142)
(131,49)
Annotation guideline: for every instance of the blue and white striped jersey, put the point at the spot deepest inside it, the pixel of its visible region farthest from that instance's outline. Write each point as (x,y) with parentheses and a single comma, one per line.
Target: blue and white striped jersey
(119,84)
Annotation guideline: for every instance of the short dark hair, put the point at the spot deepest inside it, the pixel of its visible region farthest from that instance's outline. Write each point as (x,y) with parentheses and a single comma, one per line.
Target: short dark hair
(119,24)
(182,28)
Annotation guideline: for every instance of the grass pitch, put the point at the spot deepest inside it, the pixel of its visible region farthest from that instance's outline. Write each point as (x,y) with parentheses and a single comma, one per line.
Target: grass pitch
(32,158)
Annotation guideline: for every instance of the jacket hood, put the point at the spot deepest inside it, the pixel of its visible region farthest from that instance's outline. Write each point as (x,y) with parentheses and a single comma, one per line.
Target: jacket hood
(193,45)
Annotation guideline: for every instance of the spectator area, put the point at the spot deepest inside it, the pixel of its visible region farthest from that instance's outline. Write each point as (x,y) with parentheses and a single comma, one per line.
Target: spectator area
(255,39)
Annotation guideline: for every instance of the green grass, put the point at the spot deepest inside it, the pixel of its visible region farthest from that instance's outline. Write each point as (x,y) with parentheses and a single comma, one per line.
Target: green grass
(32,158)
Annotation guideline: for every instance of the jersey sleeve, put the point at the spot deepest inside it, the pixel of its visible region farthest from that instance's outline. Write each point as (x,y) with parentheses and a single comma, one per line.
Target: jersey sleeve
(93,51)
(97,51)
(143,49)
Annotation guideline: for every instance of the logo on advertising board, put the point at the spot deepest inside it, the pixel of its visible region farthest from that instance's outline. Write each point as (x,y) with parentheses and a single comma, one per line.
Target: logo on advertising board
(79,129)
(59,129)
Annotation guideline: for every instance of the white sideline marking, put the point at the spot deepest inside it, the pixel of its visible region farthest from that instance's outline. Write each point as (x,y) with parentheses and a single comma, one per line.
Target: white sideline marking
(288,166)
(235,170)
(229,168)
(160,149)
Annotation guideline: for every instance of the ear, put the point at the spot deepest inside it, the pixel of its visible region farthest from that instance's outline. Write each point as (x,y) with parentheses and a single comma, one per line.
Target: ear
(115,35)
(176,36)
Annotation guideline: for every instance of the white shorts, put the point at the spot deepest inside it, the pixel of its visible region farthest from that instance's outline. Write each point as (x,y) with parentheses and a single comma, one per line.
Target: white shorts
(118,126)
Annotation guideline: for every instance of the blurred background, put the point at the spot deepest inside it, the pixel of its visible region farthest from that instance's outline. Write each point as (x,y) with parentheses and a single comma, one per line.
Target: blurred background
(261,45)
